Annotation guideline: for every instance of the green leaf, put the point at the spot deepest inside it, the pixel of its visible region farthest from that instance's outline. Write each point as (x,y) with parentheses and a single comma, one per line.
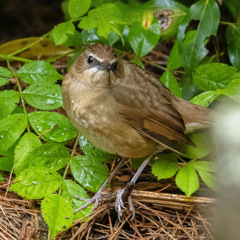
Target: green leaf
(174,60)
(62,129)
(105,18)
(187,180)
(6,160)
(201,149)
(203,166)
(69,191)
(233,41)
(137,162)
(233,7)
(138,62)
(36,183)
(206,98)
(208,178)
(188,87)
(165,166)
(4,75)
(8,102)
(57,213)
(1,176)
(91,151)
(43,96)
(77,8)
(90,36)
(233,90)
(144,40)
(209,15)
(40,72)
(60,32)
(213,76)
(27,143)
(53,156)
(171,83)
(89,172)
(11,129)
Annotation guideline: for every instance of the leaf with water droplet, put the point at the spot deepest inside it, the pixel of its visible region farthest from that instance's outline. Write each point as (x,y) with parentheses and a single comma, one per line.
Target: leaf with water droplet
(69,191)
(53,156)
(41,72)
(90,173)
(11,129)
(94,152)
(61,130)
(27,143)
(36,183)
(8,102)
(41,96)
(57,213)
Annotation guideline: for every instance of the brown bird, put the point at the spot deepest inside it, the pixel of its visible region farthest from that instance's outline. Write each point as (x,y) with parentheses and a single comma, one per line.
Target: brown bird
(123,109)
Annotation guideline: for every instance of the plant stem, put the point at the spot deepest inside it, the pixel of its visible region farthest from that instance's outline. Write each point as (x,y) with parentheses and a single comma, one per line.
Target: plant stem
(30,45)
(67,167)
(19,89)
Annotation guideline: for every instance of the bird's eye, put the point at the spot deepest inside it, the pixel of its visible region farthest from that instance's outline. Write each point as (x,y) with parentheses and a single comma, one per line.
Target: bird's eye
(90,59)
(114,66)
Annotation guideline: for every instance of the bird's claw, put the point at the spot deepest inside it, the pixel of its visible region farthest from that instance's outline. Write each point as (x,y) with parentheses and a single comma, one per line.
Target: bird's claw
(97,198)
(119,204)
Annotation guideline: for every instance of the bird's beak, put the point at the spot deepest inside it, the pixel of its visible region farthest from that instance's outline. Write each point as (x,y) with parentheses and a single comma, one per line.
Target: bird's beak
(105,66)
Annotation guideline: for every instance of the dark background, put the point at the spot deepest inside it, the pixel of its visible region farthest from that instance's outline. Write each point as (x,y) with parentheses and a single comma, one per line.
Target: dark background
(28,18)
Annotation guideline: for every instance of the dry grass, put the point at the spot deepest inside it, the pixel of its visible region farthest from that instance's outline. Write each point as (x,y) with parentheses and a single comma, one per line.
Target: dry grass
(159,216)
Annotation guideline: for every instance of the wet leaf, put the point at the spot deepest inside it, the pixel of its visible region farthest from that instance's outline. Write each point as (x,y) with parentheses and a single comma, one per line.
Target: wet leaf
(8,102)
(43,96)
(40,72)
(57,213)
(27,143)
(53,156)
(69,191)
(36,183)
(62,129)
(89,172)
(11,129)
(91,151)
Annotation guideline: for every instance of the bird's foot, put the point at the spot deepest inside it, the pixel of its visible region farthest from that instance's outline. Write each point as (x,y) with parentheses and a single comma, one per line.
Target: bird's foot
(95,199)
(121,196)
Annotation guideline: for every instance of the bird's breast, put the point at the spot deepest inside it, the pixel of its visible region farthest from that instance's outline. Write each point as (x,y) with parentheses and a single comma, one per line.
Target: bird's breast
(95,115)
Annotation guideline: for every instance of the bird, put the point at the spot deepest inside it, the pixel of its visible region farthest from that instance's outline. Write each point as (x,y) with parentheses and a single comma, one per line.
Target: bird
(124,109)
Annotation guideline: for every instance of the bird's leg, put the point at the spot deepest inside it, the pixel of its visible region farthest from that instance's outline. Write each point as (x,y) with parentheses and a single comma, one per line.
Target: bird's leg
(97,197)
(125,193)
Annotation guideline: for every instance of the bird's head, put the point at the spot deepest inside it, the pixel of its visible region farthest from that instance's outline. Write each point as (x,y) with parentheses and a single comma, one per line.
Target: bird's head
(96,65)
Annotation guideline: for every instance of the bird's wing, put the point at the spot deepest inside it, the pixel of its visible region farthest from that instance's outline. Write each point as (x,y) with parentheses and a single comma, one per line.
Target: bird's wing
(151,116)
